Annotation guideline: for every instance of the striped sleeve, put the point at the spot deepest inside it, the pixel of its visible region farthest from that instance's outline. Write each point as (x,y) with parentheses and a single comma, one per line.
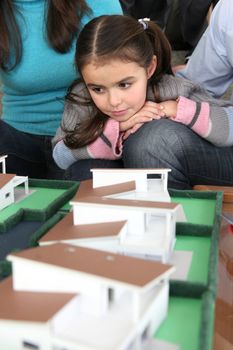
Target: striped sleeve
(107,146)
(214,123)
(64,156)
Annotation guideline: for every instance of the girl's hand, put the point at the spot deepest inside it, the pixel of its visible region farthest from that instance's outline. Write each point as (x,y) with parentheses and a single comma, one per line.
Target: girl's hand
(150,111)
(169,108)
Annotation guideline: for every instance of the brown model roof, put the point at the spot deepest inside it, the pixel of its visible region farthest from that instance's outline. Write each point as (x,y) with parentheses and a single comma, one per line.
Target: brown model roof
(132,271)
(87,194)
(65,229)
(5,178)
(137,203)
(29,306)
(86,189)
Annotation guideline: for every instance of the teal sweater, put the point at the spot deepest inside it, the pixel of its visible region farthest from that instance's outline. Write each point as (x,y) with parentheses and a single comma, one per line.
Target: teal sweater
(34,90)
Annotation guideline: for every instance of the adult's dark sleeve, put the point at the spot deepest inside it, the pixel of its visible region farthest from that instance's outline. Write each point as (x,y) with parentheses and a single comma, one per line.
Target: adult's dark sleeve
(193,19)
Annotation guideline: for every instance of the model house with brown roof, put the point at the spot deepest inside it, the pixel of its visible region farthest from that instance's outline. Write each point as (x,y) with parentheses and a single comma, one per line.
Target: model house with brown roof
(151,224)
(8,183)
(146,184)
(26,318)
(103,236)
(150,184)
(108,301)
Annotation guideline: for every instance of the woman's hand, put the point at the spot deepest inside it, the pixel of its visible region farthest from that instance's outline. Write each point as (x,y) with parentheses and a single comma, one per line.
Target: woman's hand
(150,111)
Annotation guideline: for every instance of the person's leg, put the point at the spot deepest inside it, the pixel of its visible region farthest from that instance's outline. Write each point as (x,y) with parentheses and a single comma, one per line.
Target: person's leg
(167,144)
(81,169)
(29,155)
(53,172)
(24,152)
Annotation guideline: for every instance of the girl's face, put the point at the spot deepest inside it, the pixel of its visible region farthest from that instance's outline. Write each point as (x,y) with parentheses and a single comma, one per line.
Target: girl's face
(118,88)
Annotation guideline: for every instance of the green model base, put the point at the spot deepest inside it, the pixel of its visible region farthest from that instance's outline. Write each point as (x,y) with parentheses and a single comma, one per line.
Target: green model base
(47,197)
(189,323)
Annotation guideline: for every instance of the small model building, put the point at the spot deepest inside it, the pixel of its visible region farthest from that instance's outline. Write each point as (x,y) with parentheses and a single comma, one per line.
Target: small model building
(26,318)
(135,184)
(150,184)
(119,301)
(8,182)
(150,225)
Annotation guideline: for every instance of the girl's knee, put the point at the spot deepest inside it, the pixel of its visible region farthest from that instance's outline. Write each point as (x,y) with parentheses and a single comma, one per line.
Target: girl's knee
(156,138)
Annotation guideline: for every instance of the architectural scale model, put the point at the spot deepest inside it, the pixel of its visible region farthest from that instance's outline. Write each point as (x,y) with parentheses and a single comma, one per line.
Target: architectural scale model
(8,183)
(116,302)
(149,228)
(88,285)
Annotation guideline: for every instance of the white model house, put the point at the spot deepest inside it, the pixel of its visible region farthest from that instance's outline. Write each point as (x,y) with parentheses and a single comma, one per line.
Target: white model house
(150,225)
(26,318)
(8,183)
(140,184)
(146,187)
(119,301)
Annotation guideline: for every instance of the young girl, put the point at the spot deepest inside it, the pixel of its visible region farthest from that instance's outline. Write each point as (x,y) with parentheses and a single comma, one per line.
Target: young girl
(127,82)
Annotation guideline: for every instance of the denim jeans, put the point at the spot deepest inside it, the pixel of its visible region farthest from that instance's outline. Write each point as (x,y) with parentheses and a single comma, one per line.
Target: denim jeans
(80,170)
(164,143)
(28,154)
(31,155)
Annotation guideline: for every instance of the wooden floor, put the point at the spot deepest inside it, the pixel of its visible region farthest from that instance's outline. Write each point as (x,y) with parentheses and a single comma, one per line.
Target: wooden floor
(223,337)
(223,330)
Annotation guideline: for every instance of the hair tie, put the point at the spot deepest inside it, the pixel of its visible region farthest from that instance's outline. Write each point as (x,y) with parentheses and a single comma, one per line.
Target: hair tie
(144,22)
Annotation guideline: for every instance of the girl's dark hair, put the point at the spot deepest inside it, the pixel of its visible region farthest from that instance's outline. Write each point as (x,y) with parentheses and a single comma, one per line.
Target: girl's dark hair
(122,37)
(62,25)
(86,131)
